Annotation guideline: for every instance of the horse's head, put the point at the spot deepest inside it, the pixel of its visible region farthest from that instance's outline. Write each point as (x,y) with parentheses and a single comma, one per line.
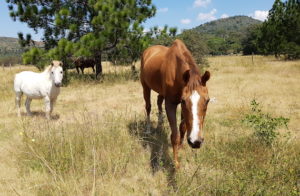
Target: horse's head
(56,73)
(194,104)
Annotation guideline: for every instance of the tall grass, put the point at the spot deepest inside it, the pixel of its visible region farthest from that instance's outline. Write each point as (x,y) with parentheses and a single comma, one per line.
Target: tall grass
(96,143)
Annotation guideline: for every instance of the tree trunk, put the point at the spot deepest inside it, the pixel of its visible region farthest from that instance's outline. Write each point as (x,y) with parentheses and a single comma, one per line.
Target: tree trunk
(98,65)
(65,69)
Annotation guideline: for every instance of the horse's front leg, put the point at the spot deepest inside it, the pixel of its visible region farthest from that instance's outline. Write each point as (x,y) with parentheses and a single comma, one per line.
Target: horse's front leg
(182,129)
(52,102)
(175,138)
(47,107)
(77,69)
(27,105)
(160,100)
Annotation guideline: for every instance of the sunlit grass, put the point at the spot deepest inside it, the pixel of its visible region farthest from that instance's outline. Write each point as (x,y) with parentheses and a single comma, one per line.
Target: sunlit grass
(96,145)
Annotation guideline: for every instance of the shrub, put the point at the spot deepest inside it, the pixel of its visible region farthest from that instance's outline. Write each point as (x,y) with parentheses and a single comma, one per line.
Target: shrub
(264,124)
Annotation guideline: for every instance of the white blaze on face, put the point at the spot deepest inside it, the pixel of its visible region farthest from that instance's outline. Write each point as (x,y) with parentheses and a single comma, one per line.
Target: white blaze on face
(195,97)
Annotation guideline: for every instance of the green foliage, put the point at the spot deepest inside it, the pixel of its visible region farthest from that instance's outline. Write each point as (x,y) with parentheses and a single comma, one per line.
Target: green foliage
(250,43)
(37,57)
(164,36)
(195,43)
(192,39)
(280,33)
(94,26)
(264,124)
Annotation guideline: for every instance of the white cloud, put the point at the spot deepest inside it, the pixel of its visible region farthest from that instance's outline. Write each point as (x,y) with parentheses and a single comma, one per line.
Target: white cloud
(260,15)
(224,16)
(201,3)
(185,21)
(207,16)
(146,30)
(163,10)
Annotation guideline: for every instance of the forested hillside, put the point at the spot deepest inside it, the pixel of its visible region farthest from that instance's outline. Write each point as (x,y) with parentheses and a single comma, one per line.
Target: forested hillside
(224,36)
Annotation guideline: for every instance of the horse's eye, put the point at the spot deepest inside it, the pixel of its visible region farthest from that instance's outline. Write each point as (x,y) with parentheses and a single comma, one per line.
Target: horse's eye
(61,72)
(52,72)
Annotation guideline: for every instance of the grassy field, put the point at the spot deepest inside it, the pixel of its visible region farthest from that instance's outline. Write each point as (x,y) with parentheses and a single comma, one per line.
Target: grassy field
(95,143)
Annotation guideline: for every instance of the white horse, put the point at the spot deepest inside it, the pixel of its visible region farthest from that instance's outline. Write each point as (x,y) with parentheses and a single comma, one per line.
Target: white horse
(39,85)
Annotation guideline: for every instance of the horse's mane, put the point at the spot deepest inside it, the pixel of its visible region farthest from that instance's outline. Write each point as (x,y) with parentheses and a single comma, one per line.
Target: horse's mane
(185,55)
(48,68)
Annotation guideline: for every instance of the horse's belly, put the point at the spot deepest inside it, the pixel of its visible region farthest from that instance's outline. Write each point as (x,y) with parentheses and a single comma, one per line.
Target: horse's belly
(33,93)
(153,79)
(33,90)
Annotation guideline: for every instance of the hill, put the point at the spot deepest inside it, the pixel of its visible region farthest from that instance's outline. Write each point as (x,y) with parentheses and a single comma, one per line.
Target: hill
(9,46)
(224,36)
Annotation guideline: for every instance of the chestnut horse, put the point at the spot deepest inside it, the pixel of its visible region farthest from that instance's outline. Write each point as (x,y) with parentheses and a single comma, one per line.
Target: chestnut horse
(173,74)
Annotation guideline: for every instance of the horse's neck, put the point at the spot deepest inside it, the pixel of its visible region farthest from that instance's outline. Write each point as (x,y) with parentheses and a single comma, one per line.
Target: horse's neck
(46,75)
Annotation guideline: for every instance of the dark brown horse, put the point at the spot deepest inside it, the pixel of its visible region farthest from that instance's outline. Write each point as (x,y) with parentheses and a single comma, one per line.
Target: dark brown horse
(84,63)
(173,74)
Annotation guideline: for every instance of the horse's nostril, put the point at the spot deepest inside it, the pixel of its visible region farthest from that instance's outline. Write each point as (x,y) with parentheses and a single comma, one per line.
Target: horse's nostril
(195,144)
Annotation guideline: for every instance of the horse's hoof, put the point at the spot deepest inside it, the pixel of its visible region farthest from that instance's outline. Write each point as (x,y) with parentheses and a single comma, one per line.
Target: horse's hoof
(177,165)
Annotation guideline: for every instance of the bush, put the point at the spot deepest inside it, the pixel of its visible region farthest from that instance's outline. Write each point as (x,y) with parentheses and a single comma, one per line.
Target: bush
(264,124)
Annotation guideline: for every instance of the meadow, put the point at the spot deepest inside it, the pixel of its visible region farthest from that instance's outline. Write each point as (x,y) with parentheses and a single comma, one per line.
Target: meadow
(95,144)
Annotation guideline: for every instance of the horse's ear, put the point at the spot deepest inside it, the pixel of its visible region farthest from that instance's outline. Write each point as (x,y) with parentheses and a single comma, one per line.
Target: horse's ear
(186,76)
(205,77)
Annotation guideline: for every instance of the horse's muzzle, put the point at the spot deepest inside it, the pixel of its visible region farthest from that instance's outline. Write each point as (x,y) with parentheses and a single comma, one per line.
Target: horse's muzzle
(57,84)
(195,144)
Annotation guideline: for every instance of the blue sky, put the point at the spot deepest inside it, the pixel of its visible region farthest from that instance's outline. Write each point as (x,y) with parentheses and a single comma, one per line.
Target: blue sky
(183,14)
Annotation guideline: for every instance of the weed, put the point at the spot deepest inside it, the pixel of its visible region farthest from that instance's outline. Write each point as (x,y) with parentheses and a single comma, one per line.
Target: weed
(264,124)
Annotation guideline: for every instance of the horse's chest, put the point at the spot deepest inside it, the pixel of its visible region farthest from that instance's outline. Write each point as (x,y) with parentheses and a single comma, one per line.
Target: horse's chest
(54,92)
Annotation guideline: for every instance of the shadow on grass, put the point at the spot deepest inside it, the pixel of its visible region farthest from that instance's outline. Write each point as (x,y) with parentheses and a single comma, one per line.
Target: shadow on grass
(41,115)
(157,143)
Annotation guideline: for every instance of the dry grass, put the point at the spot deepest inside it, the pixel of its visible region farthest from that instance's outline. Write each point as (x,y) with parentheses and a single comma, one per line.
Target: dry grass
(95,144)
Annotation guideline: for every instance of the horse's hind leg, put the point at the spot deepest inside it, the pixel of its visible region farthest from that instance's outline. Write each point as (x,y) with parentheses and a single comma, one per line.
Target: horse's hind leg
(18,101)
(160,100)
(48,107)
(93,69)
(27,105)
(147,95)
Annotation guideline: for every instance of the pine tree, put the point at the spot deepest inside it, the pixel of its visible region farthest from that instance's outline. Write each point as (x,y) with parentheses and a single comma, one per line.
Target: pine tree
(92,26)
(280,34)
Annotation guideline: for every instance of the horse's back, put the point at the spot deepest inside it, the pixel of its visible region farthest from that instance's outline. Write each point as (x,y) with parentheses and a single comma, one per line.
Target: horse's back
(151,67)
(28,82)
